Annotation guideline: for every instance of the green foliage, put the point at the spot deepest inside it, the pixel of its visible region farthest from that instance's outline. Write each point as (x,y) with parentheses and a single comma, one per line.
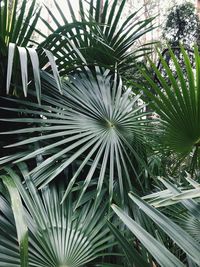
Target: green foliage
(16,53)
(163,256)
(19,220)
(93,121)
(14,28)
(182,27)
(177,102)
(58,234)
(76,139)
(181,203)
(132,255)
(99,33)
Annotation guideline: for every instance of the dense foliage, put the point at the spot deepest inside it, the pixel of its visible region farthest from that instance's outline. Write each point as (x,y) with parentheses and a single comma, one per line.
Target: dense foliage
(82,154)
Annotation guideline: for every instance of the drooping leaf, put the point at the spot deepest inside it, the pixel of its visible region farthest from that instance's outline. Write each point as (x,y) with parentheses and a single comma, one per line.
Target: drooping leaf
(20,222)
(163,256)
(181,237)
(11,51)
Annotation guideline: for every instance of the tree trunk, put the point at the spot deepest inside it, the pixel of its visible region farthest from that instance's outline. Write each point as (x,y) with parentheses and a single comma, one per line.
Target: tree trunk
(198,7)
(101,8)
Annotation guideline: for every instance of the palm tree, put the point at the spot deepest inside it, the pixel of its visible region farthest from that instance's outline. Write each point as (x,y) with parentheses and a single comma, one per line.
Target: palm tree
(69,153)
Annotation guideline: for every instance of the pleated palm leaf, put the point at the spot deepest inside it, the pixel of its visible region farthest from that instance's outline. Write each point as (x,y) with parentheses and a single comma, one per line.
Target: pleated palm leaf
(159,252)
(19,61)
(99,32)
(177,102)
(57,235)
(182,204)
(169,197)
(94,122)
(16,28)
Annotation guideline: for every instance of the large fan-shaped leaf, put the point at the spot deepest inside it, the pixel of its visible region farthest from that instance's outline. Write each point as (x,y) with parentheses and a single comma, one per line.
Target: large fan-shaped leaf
(94,120)
(177,102)
(58,236)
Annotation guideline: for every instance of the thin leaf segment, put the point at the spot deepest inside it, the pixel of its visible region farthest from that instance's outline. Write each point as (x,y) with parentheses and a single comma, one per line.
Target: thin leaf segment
(162,255)
(23,56)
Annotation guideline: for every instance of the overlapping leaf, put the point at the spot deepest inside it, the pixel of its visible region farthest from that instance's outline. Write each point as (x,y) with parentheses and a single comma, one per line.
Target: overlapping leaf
(186,215)
(16,30)
(99,33)
(163,256)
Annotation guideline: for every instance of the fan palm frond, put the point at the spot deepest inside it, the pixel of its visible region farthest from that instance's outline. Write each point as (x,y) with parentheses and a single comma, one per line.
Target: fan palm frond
(58,235)
(189,216)
(174,194)
(98,34)
(94,120)
(177,102)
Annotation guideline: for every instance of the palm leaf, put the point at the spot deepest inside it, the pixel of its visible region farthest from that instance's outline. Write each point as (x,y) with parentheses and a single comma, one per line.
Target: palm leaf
(58,236)
(187,218)
(177,102)
(174,195)
(98,35)
(23,57)
(20,222)
(178,234)
(94,118)
(181,237)
(132,255)
(15,33)
(163,256)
